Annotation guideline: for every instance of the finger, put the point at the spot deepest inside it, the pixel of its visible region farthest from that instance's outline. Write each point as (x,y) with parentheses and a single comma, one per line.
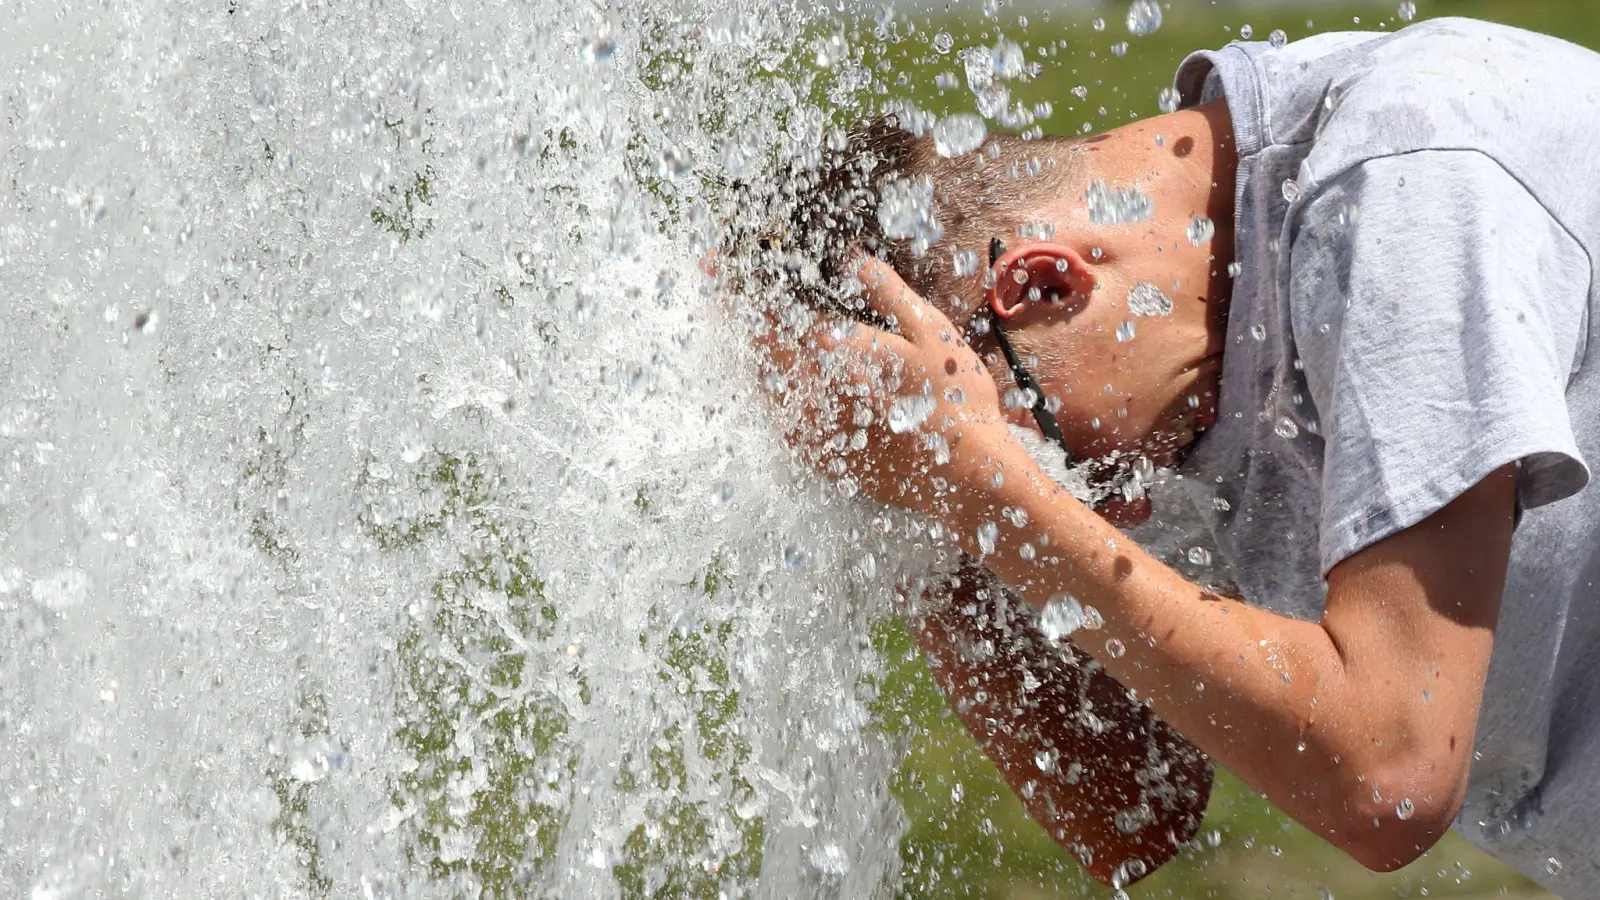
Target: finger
(829,361)
(889,296)
(863,340)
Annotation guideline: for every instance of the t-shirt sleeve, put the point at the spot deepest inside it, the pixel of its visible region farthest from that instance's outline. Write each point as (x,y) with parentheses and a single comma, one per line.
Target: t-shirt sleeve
(1439,312)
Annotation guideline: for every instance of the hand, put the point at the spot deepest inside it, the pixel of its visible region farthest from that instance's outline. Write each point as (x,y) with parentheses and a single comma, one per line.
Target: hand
(902,417)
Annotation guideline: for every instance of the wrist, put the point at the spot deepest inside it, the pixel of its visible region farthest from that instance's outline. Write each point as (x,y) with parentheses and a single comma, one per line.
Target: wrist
(984,473)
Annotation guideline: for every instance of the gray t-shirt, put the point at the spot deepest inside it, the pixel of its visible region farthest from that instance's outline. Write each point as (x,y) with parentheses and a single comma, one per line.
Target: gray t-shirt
(1416,224)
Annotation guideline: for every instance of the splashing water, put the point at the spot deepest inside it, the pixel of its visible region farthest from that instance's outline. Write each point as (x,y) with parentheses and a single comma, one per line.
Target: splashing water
(1145,299)
(363,403)
(1117,206)
(1144,17)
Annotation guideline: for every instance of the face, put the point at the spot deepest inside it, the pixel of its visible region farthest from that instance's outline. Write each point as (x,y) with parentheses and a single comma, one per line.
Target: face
(1133,369)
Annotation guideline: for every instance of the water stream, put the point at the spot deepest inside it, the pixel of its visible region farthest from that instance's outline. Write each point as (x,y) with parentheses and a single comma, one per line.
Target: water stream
(385,509)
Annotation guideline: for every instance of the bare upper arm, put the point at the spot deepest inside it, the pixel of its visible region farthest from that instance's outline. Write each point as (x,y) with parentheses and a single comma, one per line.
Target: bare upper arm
(1413,619)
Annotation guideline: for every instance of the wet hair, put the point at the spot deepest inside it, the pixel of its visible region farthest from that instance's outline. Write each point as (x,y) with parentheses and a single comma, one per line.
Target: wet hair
(800,234)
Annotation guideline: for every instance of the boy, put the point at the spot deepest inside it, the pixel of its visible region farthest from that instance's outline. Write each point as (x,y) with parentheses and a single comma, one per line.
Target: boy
(1362,266)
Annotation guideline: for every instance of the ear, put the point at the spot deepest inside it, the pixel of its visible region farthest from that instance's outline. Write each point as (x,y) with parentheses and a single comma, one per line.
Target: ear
(1051,276)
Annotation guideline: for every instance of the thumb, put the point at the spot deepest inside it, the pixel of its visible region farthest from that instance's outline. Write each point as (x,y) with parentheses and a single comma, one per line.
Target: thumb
(889,296)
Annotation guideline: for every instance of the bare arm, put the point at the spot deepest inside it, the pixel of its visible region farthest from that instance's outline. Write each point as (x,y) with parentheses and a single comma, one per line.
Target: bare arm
(1360,726)
(1118,788)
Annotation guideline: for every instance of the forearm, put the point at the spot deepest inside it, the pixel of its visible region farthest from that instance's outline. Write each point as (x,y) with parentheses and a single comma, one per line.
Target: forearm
(1107,780)
(1269,697)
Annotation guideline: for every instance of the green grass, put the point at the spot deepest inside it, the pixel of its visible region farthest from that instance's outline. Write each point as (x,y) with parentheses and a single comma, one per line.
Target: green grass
(969,836)
(1126,87)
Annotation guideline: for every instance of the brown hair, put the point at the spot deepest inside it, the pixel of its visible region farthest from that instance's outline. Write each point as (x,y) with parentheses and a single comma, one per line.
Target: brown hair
(799,234)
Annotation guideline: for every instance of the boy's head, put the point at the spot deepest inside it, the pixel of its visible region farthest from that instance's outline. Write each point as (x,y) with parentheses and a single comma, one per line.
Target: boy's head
(1112,306)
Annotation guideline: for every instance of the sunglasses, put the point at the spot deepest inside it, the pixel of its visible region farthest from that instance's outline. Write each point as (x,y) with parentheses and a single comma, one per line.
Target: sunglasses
(1019,373)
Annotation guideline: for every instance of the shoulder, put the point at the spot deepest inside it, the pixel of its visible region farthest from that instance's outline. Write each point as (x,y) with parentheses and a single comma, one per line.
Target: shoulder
(1433,228)
(1457,84)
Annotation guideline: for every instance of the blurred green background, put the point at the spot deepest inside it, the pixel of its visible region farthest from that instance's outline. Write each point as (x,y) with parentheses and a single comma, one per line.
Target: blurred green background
(969,837)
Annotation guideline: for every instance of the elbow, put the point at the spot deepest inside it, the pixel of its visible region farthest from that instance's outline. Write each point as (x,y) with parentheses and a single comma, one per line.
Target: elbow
(1387,828)
(1380,849)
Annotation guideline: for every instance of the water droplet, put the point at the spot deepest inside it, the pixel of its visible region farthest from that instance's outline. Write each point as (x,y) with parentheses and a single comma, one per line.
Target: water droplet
(1246,32)
(1092,620)
(1553,866)
(599,47)
(1081,92)
(1115,648)
(1234,269)
(1277,38)
(1168,99)
(1404,809)
(1117,206)
(1199,556)
(673,162)
(1120,48)
(1019,398)
(829,859)
(60,589)
(1407,11)
(722,493)
(1126,331)
(1144,17)
(1214,838)
(957,792)
(906,210)
(943,42)
(955,395)
(1129,821)
(1286,428)
(964,262)
(1324,894)
(795,557)
(1145,299)
(1346,215)
(1201,229)
(309,760)
(1098,24)
(992,97)
(988,533)
(1291,190)
(958,134)
(1007,59)
(907,413)
(1061,617)
(1258,331)
(1046,760)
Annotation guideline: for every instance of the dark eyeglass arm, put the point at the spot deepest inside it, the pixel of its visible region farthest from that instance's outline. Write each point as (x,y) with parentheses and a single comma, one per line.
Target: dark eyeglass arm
(1019,373)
